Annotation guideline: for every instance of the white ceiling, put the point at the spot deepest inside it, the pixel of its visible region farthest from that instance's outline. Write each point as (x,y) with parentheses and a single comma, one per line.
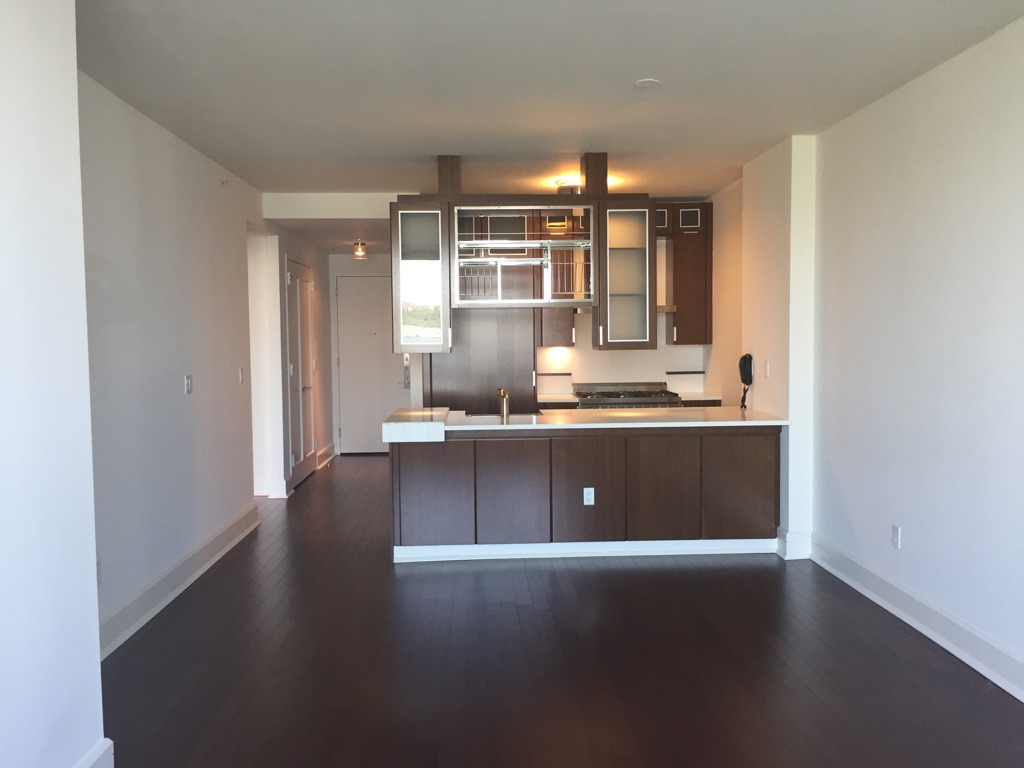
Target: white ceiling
(328,95)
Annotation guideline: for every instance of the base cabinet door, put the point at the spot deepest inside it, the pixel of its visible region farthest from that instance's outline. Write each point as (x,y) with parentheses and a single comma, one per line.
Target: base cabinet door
(577,464)
(663,487)
(513,491)
(435,493)
(740,485)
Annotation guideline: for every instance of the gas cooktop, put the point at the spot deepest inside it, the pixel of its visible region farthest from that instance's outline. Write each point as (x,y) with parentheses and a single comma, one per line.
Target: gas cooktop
(631,394)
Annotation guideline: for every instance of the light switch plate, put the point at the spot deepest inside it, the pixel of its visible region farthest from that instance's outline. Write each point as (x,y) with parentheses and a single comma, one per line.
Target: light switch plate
(188,384)
(588,497)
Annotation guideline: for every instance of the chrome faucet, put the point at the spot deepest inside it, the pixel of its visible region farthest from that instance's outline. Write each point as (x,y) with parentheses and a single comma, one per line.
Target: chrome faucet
(504,405)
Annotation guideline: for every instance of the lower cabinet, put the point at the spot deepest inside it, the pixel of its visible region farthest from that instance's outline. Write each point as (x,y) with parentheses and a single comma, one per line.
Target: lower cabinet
(663,487)
(713,483)
(739,479)
(434,493)
(513,491)
(576,465)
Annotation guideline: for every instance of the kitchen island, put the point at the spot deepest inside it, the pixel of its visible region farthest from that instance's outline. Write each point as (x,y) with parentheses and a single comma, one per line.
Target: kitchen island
(583,482)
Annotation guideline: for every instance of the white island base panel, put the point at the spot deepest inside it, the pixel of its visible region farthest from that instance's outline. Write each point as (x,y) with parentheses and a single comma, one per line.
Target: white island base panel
(420,554)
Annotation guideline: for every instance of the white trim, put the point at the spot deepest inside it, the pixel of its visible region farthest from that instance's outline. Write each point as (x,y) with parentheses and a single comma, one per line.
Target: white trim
(415,554)
(273,488)
(100,756)
(1001,664)
(795,545)
(324,455)
(125,622)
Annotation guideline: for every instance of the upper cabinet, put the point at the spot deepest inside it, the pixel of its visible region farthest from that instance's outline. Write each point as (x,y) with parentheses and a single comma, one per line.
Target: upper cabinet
(420,294)
(530,255)
(691,273)
(626,296)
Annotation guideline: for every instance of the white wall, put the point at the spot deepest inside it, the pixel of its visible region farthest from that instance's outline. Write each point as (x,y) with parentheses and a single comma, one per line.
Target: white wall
(767,208)
(50,709)
(778,278)
(921,330)
(166,273)
(587,364)
(723,354)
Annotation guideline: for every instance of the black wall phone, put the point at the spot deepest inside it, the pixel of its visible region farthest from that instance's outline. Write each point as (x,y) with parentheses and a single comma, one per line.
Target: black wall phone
(746,376)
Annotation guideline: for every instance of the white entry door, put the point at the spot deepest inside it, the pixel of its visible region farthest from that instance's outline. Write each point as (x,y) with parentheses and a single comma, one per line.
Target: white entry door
(301,373)
(370,374)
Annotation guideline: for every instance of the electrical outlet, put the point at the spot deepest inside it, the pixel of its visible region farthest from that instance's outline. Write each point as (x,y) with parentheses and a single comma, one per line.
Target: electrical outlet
(588,497)
(897,537)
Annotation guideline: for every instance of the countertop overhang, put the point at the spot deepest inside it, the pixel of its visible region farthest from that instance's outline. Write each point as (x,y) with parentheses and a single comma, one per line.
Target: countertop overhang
(426,425)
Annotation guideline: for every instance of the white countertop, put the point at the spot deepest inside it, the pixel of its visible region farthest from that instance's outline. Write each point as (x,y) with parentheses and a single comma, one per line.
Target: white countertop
(686,397)
(427,425)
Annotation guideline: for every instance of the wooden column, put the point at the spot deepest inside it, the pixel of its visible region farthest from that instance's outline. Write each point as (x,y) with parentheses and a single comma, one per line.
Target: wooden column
(594,173)
(449,175)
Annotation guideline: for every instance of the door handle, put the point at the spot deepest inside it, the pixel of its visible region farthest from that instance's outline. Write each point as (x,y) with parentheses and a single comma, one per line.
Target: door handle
(306,389)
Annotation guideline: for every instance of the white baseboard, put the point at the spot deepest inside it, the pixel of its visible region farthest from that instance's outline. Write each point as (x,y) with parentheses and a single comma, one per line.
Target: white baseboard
(794,545)
(415,554)
(117,628)
(100,756)
(999,663)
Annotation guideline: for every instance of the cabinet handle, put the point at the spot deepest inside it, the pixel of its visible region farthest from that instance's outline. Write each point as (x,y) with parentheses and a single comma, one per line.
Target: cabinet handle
(674,329)
(600,335)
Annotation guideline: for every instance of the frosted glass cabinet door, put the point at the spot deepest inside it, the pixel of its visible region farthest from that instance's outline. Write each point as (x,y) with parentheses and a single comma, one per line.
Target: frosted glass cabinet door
(421,303)
(627,311)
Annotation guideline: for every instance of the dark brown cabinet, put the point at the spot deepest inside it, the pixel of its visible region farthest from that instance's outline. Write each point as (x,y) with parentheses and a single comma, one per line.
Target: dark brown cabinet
(663,487)
(691,273)
(513,491)
(492,349)
(659,485)
(739,472)
(576,465)
(555,326)
(434,493)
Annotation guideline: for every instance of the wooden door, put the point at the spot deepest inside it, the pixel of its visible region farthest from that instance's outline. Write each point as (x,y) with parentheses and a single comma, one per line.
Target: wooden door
(435,499)
(663,487)
(597,463)
(513,491)
(691,274)
(740,484)
(491,349)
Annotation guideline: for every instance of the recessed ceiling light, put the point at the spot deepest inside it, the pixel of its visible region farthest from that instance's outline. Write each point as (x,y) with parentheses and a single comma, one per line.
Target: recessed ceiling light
(647,82)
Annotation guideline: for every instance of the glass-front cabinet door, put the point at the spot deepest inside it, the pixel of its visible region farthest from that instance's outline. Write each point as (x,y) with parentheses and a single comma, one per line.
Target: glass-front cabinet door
(419,259)
(627,301)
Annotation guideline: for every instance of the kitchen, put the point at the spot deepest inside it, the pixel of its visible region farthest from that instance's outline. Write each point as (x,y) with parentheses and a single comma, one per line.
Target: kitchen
(524,276)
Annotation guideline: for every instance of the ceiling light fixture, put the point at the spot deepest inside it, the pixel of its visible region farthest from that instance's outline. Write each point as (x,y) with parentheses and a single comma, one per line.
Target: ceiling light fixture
(647,82)
(359,250)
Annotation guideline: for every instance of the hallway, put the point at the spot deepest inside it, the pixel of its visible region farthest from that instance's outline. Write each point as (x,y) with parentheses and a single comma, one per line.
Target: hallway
(305,646)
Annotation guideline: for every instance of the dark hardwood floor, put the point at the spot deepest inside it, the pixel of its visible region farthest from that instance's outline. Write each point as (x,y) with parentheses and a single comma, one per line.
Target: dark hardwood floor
(305,646)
